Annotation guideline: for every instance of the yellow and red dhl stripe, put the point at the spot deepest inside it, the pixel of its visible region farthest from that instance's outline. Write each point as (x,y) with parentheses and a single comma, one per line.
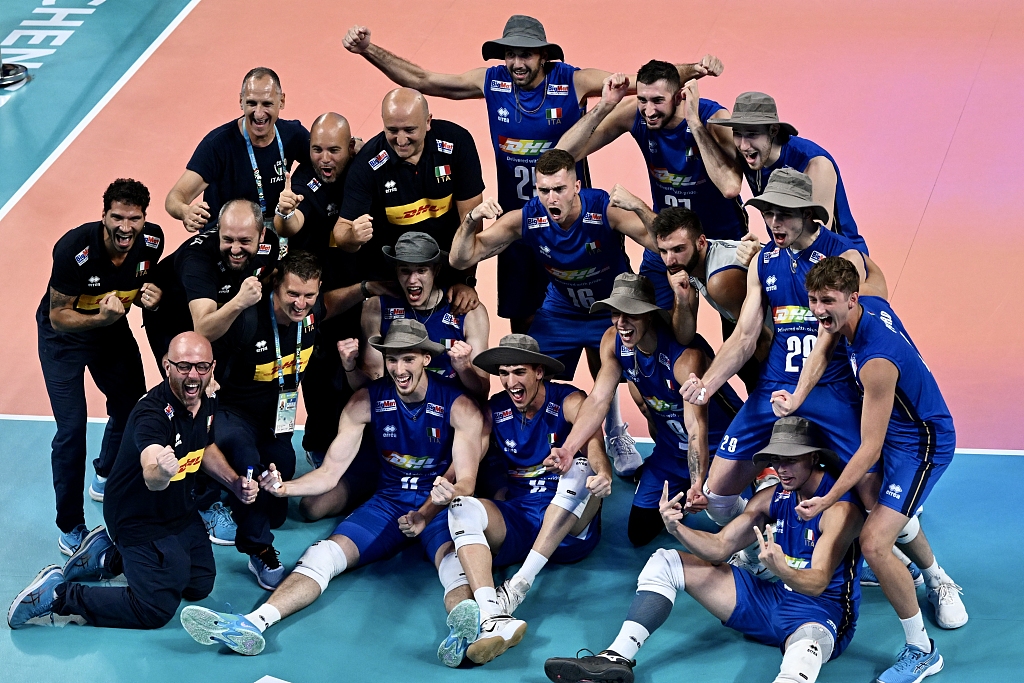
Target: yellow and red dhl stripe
(792,314)
(91,302)
(267,372)
(189,464)
(418,211)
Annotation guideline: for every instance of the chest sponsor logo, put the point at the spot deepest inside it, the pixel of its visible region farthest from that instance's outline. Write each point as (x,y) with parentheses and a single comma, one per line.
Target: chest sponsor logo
(782,494)
(815,256)
(263,250)
(379,160)
(528,472)
(189,464)
(553,116)
(660,405)
(501,86)
(502,115)
(169,411)
(537,222)
(797,563)
(390,431)
(82,256)
(450,319)
(510,446)
(261,346)
(503,415)
(445,147)
(577,275)
(625,350)
(785,315)
(152,241)
(388,405)
(91,302)
(94,281)
(553,409)
(524,148)
(267,372)
(769,255)
(769,283)
(141,268)
(313,184)
(407,462)
(419,211)
(894,491)
(390,187)
(558,89)
(593,218)
(435,410)
(666,177)
(394,313)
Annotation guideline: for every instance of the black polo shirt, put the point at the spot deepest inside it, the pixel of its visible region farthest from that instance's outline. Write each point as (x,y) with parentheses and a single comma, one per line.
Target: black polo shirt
(403,197)
(134,514)
(83,269)
(222,160)
(320,206)
(249,386)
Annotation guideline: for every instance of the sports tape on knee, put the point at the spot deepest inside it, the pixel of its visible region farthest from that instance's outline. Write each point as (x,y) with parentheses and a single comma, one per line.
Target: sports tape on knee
(910,531)
(322,562)
(819,634)
(663,574)
(572,493)
(723,509)
(467,519)
(449,570)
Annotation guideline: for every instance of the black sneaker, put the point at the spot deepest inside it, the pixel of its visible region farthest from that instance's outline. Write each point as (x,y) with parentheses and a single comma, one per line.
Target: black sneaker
(605,666)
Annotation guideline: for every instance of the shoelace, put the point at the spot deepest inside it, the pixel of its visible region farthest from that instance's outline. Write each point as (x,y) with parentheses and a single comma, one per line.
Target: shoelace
(909,658)
(946,590)
(269,557)
(222,515)
(622,443)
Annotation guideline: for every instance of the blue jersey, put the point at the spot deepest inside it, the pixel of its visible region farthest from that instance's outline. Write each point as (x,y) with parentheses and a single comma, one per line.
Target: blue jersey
(527,123)
(442,326)
(920,421)
(782,274)
(414,441)
(796,154)
(797,537)
(525,443)
(655,379)
(583,259)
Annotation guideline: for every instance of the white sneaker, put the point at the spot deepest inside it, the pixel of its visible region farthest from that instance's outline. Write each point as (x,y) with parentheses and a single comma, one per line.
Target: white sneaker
(497,634)
(949,608)
(510,597)
(767,477)
(622,449)
(748,562)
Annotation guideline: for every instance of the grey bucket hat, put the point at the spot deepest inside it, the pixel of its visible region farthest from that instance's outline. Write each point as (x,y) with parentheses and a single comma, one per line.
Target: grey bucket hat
(755,109)
(516,349)
(794,436)
(632,294)
(789,189)
(521,31)
(415,248)
(406,335)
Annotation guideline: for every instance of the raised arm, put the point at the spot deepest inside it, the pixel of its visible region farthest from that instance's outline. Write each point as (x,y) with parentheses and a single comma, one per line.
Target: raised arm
(179,201)
(478,328)
(784,403)
(695,419)
(717,150)
(588,81)
(212,322)
(373,360)
(823,181)
(468,85)
(612,117)
(595,407)
(471,244)
(630,224)
(873,283)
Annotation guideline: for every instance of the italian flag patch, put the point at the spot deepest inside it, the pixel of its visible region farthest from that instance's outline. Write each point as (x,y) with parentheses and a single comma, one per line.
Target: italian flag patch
(434,432)
(552,438)
(441,171)
(555,113)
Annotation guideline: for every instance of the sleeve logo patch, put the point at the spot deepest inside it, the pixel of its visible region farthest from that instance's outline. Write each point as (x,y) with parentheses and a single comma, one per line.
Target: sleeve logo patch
(768,255)
(593,217)
(503,416)
(816,256)
(450,319)
(501,86)
(553,409)
(169,412)
(435,410)
(82,256)
(152,241)
(379,160)
(445,147)
(558,88)
(538,222)
(387,406)
(313,184)
(394,313)
(263,250)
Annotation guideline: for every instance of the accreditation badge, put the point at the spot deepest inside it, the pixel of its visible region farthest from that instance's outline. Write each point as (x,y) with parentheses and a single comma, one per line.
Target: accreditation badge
(287,404)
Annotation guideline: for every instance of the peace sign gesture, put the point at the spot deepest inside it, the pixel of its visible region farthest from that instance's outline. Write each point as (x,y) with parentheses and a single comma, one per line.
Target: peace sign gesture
(288,200)
(671,509)
(771,554)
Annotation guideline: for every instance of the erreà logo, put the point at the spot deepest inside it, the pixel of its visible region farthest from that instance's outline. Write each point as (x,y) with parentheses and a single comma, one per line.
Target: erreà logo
(894,490)
(389,186)
(502,115)
(261,345)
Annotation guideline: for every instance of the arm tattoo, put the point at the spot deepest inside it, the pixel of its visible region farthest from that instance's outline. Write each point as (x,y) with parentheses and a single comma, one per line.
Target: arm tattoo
(58,300)
(693,457)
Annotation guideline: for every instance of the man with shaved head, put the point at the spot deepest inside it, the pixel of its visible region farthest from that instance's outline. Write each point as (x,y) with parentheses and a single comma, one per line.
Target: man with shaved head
(419,174)
(154,534)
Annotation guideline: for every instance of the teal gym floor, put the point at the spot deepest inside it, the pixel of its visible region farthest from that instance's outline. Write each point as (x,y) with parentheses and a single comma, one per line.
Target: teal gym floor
(383,622)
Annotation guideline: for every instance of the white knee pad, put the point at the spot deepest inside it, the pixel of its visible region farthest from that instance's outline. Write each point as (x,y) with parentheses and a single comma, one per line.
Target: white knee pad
(322,562)
(572,494)
(816,632)
(663,574)
(723,509)
(449,570)
(910,531)
(467,519)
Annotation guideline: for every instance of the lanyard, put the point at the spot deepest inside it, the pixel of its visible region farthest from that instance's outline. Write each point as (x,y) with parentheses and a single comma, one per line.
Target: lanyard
(256,168)
(277,348)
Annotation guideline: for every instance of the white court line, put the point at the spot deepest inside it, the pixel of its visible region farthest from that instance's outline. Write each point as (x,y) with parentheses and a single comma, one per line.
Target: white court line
(55,154)
(638,439)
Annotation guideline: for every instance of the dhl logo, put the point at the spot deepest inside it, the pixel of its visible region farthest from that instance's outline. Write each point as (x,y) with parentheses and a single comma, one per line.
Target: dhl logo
(407,462)
(783,315)
(418,211)
(797,562)
(267,372)
(575,275)
(523,148)
(189,464)
(528,472)
(661,406)
(663,176)
(91,302)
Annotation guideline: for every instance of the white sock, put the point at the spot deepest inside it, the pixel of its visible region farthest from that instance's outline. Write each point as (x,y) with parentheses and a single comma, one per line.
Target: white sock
(265,616)
(614,417)
(488,601)
(631,636)
(531,567)
(934,575)
(915,632)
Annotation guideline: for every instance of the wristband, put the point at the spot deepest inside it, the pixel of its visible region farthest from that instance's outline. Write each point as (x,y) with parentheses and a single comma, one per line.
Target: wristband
(470,281)
(277,210)
(364,290)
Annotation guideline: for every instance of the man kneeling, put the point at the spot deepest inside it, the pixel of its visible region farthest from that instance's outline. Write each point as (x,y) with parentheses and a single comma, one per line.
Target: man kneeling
(810,613)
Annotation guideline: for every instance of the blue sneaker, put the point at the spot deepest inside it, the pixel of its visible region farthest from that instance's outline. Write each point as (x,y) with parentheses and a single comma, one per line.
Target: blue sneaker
(34,605)
(219,524)
(69,542)
(913,665)
(96,487)
(868,578)
(208,627)
(268,569)
(89,563)
(464,622)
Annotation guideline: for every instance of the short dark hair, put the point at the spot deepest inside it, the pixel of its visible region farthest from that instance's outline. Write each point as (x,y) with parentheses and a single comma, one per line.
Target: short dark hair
(654,71)
(674,218)
(555,160)
(833,273)
(257,213)
(126,191)
(262,72)
(300,263)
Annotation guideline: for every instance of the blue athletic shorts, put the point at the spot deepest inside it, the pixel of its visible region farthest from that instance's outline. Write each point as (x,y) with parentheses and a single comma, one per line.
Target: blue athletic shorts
(373,526)
(522,281)
(659,468)
(834,407)
(770,613)
(908,478)
(563,333)
(523,518)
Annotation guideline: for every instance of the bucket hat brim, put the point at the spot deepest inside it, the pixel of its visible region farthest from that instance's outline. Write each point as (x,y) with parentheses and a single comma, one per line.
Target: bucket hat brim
(434,349)
(792,450)
(788,201)
(754,120)
(491,359)
(629,306)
